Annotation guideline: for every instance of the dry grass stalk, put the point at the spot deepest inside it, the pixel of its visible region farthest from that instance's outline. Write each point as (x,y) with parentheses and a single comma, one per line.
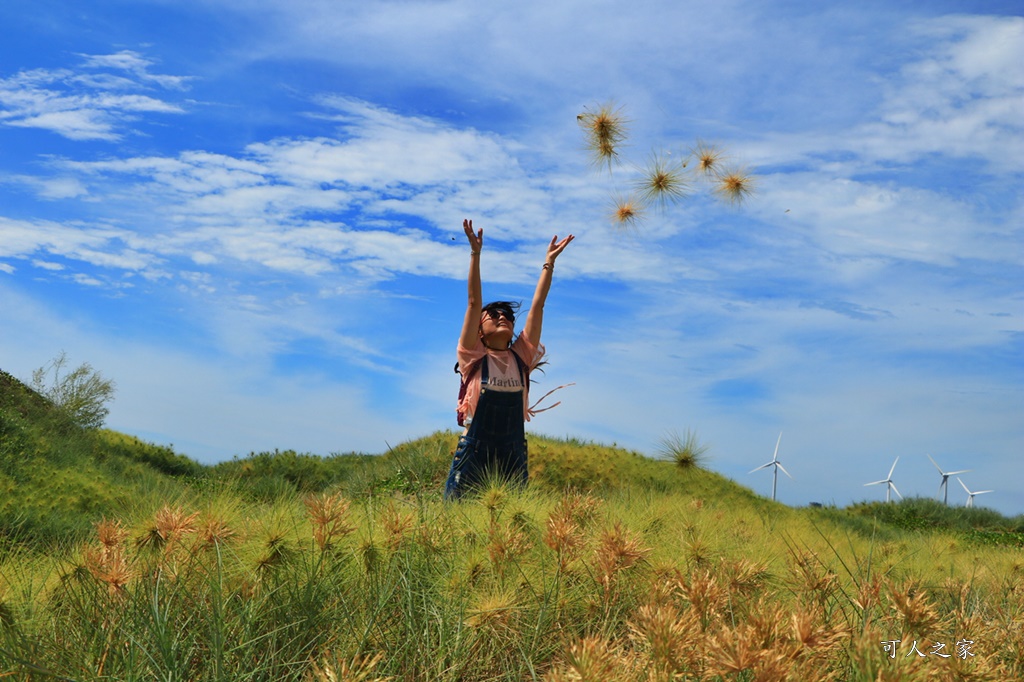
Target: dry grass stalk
(506,545)
(111,533)
(170,526)
(328,513)
(214,531)
(918,613)
(745,576)
(672,638)
(605,130)
(108,562)
(493,611)
(704,593)
(592,659)
(358,669)
(617,551)
(733,651)
(564,528)
(396,525)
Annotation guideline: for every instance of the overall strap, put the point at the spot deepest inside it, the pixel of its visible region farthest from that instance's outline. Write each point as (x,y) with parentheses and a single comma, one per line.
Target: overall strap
(484,370)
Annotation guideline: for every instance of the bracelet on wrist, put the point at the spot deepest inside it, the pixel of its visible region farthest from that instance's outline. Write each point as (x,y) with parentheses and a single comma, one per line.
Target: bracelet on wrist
(474,253)
(548,266)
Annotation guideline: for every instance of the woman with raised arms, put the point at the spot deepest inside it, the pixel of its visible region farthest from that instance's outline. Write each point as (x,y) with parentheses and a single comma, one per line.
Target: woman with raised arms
(495,365)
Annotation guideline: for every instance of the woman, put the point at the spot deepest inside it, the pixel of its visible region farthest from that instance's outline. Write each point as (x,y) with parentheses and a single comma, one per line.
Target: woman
(496,369)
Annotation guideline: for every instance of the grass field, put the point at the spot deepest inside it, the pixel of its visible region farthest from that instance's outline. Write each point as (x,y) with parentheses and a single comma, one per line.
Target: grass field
(139,564)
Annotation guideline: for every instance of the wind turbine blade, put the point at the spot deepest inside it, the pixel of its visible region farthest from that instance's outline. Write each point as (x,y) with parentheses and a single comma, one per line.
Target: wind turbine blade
(964,471)
(965,487)
(937,466)
(893,466)
(981,492)
(895,489)
(876,482)
(779,464)
(775,457)
(763,466)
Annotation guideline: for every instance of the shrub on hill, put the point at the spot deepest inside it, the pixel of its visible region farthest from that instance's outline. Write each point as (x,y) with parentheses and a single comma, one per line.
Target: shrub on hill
(57,478)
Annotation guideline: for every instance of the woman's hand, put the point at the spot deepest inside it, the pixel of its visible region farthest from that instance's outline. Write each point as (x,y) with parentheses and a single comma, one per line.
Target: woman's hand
(555,248)
(476,239)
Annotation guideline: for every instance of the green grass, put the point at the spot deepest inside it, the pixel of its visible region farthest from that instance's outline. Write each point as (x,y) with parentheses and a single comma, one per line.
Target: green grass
(124,560)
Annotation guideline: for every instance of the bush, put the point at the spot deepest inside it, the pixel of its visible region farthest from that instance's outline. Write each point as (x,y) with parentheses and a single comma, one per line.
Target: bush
(82,393)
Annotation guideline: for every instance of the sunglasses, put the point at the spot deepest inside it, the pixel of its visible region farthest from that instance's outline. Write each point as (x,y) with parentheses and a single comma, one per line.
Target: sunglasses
(495,313)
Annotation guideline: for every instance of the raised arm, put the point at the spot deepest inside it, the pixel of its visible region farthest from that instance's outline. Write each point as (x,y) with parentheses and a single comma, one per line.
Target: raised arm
(535,318)
(470,336)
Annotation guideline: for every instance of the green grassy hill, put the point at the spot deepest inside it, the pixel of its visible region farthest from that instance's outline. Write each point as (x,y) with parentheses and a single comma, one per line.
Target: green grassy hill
(121,559)
(57,479)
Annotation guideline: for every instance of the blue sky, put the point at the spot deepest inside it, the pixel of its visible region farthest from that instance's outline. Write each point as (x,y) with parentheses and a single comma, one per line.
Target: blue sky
(248,214)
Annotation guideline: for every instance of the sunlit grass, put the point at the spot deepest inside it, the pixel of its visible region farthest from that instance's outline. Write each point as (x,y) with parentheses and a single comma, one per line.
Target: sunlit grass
(609,563)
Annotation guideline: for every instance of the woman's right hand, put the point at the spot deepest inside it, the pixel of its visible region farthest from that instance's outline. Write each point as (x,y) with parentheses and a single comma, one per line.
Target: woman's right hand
(476,239)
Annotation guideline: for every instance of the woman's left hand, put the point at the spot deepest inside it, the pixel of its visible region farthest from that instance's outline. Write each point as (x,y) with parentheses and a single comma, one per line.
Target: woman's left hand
(555,248)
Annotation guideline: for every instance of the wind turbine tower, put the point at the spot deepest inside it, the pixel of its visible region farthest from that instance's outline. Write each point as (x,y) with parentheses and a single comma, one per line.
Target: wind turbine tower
(970,495)
(774,463)
(889,485)
(944,487)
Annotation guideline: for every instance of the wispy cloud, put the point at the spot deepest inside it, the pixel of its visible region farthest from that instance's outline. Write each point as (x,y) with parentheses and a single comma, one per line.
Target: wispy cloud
(86,106)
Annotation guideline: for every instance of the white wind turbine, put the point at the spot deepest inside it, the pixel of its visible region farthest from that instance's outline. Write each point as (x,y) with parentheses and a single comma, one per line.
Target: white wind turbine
(775,463)
(889,485)
(970,495)
(944,487)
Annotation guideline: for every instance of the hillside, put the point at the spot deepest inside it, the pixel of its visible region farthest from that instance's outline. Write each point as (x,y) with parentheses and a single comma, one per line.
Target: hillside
(57,479)
(121,559)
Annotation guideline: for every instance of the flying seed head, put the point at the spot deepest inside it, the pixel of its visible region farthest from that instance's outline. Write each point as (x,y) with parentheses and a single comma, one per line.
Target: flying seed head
(605,130)
(708,158)
(627,213)
(734,186)
(664,181)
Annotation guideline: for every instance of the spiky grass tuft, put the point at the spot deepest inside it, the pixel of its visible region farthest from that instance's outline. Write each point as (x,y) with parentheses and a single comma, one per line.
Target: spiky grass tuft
(685,450)
(734,186)
(605,131)
(663,182)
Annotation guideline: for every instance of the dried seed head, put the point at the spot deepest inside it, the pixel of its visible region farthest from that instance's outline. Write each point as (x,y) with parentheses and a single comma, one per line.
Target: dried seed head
(173,522)
(627,214)
(328,515)
(708,158)
(605,130)
(734,186)
(110,533)
(493,611)
(664,182)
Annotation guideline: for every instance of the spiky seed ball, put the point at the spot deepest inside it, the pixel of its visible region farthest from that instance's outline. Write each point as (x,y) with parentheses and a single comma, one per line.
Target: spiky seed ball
(664,181)
(734,186)
(708,158)
(605,130)
(627,213)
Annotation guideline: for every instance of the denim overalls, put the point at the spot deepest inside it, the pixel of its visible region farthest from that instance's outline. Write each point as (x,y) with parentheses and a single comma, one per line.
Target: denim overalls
(495,444)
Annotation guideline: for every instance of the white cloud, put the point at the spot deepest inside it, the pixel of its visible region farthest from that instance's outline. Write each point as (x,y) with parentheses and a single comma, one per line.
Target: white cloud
(79,106)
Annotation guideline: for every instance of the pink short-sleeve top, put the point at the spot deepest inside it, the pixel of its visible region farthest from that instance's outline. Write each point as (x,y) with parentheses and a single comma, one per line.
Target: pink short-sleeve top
(503,372)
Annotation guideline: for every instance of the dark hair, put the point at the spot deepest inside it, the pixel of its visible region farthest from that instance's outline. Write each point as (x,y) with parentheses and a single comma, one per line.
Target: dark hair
(509,308)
